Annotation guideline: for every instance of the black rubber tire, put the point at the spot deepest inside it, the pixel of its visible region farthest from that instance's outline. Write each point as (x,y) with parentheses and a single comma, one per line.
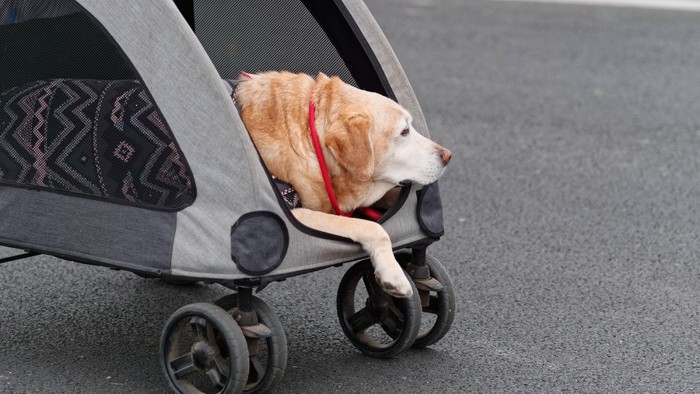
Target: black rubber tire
(212,327)
(406,326)
(442,303)
(276,344)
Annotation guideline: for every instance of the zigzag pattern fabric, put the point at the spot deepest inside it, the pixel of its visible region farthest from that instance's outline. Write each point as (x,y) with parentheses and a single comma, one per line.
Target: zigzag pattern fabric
(103,139)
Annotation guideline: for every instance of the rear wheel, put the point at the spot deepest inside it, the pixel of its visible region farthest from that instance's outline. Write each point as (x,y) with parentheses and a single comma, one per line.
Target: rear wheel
(267,344)
(204,351)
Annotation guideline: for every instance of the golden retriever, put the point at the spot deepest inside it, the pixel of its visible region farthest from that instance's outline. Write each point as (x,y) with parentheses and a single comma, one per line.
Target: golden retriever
(368,143)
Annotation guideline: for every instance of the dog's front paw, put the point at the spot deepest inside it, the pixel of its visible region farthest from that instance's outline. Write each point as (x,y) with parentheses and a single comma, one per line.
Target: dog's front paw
(393,281)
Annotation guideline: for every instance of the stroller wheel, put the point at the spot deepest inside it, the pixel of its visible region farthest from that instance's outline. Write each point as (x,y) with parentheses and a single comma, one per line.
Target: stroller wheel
(203,350)
(378,324)
(437,301)
(267,345)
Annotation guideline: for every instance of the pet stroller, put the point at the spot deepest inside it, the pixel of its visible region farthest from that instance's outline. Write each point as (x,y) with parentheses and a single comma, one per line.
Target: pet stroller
(120,147)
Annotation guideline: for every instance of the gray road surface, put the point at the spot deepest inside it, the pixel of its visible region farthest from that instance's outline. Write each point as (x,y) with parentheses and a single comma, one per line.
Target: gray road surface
(572,220)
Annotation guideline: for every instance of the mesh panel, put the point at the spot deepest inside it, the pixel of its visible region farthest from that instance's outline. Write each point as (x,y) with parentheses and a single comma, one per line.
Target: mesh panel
(254,35)
(13,11)
(75,116)
(57,43)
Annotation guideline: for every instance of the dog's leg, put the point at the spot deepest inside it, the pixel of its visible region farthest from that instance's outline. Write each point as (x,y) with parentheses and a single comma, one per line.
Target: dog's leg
(373,239)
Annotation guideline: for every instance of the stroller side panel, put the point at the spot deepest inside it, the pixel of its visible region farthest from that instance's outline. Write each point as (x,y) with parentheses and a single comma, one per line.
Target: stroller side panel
(87,230)
(192,98)
(230,180)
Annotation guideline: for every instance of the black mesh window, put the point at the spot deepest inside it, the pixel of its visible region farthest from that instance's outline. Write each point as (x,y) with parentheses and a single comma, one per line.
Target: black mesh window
(308,36)
(254,35)
(75,116)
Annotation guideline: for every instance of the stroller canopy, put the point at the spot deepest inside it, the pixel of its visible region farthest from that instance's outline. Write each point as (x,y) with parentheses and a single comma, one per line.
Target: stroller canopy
(120,145)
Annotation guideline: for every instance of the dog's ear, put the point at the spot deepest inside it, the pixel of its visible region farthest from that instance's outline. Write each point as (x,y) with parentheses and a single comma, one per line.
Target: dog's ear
(246,75)
(349,142)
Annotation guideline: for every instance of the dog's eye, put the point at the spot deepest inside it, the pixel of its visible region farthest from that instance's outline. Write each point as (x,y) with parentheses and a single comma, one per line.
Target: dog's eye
(405,132)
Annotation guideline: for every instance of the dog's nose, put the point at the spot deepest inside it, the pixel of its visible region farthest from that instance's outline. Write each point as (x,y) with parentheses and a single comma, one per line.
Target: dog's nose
(445,155)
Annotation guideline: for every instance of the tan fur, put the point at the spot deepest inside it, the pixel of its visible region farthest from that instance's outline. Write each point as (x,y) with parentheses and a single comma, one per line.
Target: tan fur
(356,129)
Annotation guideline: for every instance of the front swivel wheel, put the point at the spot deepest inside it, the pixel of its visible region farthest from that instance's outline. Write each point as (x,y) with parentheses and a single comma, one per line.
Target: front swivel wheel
(437,297)
(378,324)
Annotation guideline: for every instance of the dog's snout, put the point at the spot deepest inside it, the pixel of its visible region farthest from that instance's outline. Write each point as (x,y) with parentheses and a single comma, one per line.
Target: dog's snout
(445,155)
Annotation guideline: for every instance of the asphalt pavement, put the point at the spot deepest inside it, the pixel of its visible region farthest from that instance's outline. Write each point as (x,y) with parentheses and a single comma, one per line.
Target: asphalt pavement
(572,224)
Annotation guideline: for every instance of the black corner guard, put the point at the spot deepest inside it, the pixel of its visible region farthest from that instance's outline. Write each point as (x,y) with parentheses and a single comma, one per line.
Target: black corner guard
(429,211)
(259,242)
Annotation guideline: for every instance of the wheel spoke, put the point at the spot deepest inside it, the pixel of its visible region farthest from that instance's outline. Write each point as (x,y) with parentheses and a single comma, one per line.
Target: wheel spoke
(183,365)
(199,327)
(221,367)
(217,373)
(362,320)
(211,335)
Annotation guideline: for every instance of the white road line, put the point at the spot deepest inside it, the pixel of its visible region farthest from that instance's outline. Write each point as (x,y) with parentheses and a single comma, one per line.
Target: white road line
(680,5)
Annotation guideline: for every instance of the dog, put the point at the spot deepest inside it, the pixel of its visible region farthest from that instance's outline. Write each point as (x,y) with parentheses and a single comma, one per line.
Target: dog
(368,143)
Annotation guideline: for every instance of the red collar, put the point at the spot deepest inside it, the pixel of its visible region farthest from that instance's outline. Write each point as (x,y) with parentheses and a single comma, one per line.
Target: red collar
(369,212)
(322,161)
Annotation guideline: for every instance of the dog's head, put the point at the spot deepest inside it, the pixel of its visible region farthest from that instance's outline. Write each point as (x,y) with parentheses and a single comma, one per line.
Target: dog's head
(372,137)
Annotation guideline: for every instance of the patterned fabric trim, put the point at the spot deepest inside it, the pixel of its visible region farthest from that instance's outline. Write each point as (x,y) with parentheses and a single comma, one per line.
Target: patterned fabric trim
(104,139)
(289,194)
(233,84)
